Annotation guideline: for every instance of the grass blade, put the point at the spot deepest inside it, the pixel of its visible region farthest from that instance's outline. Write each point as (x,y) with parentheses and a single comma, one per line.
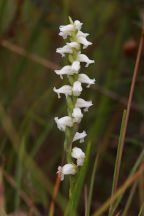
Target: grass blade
(141,212)
(117,161)
(128,203)
(19,173)
(137,163)
(92,185)
(120,191)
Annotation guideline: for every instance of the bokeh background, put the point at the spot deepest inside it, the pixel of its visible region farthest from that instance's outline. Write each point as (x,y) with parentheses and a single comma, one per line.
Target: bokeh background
(28,41)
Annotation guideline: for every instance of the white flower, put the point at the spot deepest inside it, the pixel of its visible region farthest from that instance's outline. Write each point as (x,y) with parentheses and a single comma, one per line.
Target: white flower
(77,88)
(84,58)
(66,90)
(67,169)
(63,122)
(75,66)
(69,69)
(77,115)
(64,49)
(79,136)
(66,30)
(74,45)
(65,70)
(81,38)
(81,103)
(82,34)
(78,154)
(83,78)
(77,25)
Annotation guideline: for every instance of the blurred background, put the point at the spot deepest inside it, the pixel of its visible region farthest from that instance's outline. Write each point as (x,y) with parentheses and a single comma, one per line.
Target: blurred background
(31,146)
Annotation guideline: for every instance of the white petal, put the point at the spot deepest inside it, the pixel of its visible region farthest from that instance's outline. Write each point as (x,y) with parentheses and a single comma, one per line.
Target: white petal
(80,161)
(77,115)
(77,88)
(79,136)
(83,41)
(82,34)
(64,122)
(78,154)
(65,30)
(65,70)
(67,169)
(74,45)
(83,78)
(60,172)
(75,66)
(66,90)
(77,24)
(84,58)
(81,103)
(64,49)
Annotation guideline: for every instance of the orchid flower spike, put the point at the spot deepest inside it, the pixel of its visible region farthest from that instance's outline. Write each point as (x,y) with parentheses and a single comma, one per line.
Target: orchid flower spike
(66,90)
(63,122)
(81,103)
(67,169)
(79,136)
(83,78)
(84,58)
(78,154)
(72,51)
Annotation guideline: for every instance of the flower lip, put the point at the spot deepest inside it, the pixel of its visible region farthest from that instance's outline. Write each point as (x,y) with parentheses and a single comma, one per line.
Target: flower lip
(81,103)
(84,58)
(73,44)
(67,169)
(63,122)
(79,136)
(83,78)
(64,49)
(66,90)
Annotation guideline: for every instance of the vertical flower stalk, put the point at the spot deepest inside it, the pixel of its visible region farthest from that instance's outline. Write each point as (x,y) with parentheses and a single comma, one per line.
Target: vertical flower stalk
(72,51)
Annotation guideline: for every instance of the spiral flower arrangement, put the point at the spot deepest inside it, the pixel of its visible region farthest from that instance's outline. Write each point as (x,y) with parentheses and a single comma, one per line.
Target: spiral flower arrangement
(76,40)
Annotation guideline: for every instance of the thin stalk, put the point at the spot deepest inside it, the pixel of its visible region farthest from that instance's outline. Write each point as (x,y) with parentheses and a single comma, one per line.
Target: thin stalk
(129,104)
(19,173)
(117,159)
(133,170)
(120,191)
(128,203)
(92,186)
(2,197)
(141,210)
